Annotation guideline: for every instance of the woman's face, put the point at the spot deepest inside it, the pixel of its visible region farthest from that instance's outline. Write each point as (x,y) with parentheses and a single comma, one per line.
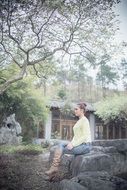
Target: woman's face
(78,111)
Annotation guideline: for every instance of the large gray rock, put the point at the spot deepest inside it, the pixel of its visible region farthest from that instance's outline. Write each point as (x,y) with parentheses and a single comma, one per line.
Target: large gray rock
(10,131)
(119,144)
(94,162)
(97,169)
(70,185)
(94,181)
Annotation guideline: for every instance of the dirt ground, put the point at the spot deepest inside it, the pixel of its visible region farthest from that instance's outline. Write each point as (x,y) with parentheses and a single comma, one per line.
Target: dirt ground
(24,172)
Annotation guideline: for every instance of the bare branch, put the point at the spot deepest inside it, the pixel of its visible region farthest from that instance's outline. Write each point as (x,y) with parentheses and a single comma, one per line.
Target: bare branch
(9,53)
(9,14)
(16,41)
(83,46)
(39,31)
(47,55)
(50,16)
(36,71)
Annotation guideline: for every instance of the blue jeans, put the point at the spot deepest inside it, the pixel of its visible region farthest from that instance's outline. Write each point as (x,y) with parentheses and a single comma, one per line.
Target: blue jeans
(84,148)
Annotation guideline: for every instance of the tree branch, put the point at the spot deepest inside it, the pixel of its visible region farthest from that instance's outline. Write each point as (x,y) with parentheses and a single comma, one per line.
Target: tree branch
(2,78)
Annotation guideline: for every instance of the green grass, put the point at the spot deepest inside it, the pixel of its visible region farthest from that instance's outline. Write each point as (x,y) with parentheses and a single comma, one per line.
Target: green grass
(23,149)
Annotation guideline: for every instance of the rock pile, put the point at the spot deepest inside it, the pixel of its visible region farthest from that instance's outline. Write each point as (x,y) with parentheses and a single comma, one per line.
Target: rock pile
(98,169)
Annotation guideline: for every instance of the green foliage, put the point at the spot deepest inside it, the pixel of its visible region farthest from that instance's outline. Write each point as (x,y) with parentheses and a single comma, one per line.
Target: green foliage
(6,72)
(67,109)
(22,149)
(112,108)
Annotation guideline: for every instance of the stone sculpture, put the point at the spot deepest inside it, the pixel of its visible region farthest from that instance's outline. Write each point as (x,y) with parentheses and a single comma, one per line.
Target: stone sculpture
(10,131)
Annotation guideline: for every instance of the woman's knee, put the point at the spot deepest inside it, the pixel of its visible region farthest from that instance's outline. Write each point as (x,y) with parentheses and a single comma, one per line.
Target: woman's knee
(61,147)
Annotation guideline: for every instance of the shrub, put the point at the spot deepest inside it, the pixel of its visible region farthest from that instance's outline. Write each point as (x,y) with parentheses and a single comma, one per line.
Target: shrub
(112,108)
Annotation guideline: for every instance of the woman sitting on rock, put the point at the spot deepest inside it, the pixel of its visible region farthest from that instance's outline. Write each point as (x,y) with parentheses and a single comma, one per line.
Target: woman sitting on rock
(80,144)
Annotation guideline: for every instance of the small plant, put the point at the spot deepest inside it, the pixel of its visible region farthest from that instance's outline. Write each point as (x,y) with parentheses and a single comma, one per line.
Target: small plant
(62,94)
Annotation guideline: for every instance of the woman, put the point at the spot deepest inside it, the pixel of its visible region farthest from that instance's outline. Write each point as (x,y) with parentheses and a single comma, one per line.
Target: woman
(81,142)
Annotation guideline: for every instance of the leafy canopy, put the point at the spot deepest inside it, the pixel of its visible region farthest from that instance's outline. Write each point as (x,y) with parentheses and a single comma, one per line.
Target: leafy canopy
(33,31)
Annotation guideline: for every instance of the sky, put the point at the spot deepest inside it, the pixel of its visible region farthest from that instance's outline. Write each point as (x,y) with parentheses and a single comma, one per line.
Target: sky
(121,10)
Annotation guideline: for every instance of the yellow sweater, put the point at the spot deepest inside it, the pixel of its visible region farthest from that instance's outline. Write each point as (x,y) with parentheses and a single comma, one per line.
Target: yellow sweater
(81,131)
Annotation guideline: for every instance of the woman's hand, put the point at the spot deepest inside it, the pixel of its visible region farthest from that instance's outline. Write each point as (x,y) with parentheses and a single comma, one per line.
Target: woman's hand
(69,146)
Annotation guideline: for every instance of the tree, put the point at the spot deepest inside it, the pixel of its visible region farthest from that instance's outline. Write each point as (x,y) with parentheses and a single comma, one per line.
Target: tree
(124,72)
(72,75)
(33,31)
(78,74)
(106,75)
(44,72)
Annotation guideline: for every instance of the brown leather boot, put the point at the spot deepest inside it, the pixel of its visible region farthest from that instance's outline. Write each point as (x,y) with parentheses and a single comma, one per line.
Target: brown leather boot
(55,164)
